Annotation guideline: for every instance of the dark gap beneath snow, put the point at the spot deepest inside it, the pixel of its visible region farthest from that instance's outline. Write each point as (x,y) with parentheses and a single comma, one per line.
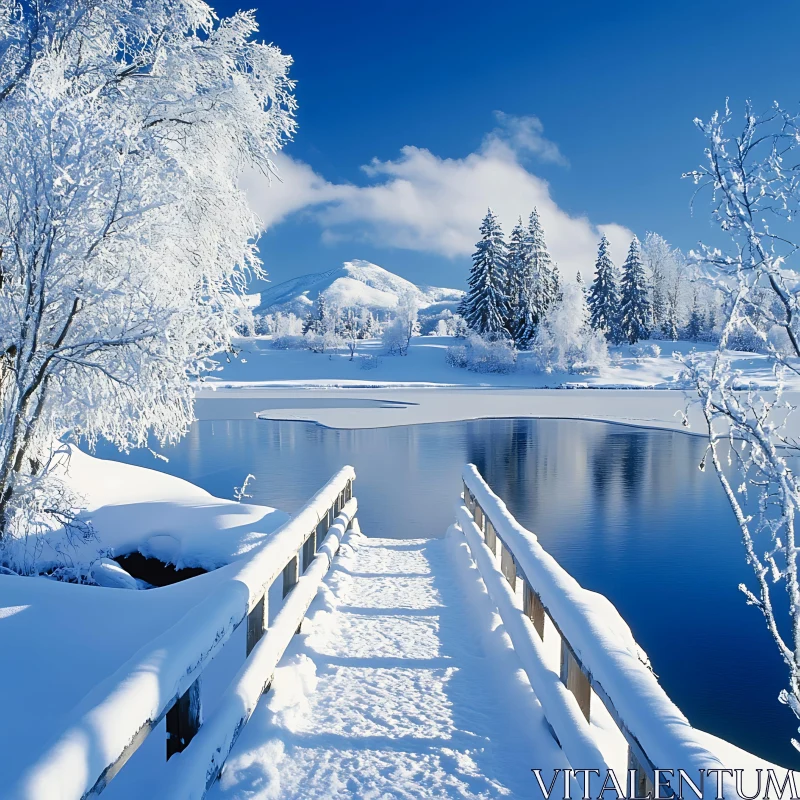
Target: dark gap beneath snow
(155,572)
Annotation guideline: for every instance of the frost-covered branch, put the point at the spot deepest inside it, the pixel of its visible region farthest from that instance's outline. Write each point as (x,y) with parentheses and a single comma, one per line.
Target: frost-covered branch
(754,180)
(125,239)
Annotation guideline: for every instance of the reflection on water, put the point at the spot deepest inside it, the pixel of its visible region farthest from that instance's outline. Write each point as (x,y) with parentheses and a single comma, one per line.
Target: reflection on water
(625,510)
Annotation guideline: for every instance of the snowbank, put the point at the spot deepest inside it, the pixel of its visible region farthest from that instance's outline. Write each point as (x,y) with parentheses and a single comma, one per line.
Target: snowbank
(132,508)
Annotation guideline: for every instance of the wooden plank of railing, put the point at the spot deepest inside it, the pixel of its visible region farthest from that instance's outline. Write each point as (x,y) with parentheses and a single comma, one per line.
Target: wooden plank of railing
(478,514)
(309,549)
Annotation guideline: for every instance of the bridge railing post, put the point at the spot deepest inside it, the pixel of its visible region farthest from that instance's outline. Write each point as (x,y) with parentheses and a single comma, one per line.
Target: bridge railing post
(184,720)
(507,564)
(533,608)
(478,516)
(490,536)
(573,677)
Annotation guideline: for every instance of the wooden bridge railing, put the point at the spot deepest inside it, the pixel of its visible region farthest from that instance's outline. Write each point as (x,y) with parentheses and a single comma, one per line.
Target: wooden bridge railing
(599,656)
(163,678)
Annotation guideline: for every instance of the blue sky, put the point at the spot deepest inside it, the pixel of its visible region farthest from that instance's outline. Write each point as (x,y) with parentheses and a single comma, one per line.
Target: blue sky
(596,101)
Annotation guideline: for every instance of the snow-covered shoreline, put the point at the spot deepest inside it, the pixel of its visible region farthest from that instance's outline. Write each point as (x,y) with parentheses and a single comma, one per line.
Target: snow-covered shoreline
(333,391)
(347,408)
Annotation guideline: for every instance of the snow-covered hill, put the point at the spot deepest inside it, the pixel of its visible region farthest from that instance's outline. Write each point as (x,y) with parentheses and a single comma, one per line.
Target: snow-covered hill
(355,284)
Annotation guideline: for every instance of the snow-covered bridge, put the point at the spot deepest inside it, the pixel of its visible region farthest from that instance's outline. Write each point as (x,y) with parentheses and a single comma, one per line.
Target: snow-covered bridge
(427,667)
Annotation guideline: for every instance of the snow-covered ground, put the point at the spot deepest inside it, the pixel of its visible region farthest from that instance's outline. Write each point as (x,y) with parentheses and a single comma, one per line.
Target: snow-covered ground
(161,516)
(259,365)
(334,391)
(61,640)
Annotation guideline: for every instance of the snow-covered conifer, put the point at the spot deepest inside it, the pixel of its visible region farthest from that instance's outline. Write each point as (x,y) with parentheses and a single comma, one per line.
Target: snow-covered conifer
(486,304)
(603,299)
(694,328)
(546,279)
(515,275)
(635,313)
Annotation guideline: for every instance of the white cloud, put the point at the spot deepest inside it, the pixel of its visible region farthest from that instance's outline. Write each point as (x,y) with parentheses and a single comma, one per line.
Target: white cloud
(422,202)
(524,135)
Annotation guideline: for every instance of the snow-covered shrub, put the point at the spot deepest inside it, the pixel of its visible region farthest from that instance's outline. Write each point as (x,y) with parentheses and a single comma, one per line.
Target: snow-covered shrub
(289,342)
(746,339)
(323,342)
(369,362)
(263,324)
(565,340)
(779,339)
(395,338)
(482,355)
(645,351)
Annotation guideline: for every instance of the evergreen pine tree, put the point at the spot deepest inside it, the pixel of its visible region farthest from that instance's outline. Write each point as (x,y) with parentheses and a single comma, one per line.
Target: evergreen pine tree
(670,325)
(515,273)
(545,273)
(530,301)
(486,304)
(635,312)
(694,327)
(604,296)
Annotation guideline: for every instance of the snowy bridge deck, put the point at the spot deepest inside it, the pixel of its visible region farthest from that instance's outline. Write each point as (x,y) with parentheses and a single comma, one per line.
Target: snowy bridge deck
(427,668)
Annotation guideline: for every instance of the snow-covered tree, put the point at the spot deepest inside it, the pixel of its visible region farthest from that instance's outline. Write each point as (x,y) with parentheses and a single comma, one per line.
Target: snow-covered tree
(634,304)
(486,304)
(366,324)
(398,333)
(547,282)
(516,269)
(565,339)
(753,178)
(670,298)
(657,256)
(694,327)
(125,238)
(603,297)
(539,286)
(350,331)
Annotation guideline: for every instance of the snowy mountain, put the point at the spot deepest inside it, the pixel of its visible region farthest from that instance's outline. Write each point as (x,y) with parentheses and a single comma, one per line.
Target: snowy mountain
(355,284)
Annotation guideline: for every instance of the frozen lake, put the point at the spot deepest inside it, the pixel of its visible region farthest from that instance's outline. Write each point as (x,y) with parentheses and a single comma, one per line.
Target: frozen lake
(625,510)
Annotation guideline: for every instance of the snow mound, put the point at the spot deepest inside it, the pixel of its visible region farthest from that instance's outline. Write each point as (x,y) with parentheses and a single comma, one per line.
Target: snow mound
(355,284)
(135,509)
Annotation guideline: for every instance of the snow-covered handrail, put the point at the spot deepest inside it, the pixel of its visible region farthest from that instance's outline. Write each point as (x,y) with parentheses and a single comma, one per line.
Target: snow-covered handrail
(161,679)
(199,765)
(598,651)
